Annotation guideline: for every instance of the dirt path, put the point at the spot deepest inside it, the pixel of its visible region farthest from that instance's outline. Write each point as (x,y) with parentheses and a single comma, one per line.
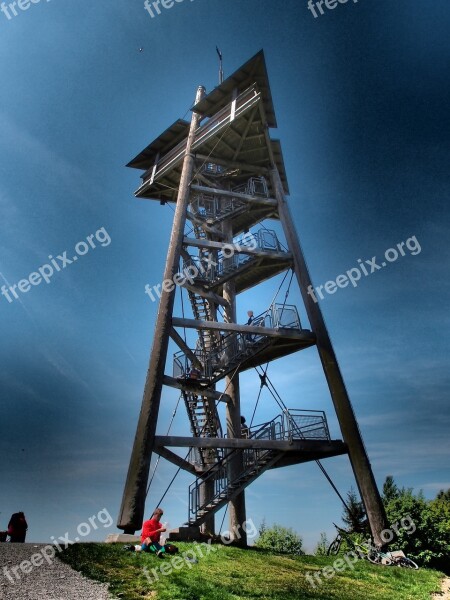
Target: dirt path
(444,594)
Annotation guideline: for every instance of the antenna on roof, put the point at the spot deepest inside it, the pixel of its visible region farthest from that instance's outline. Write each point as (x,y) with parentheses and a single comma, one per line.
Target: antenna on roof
(220,65)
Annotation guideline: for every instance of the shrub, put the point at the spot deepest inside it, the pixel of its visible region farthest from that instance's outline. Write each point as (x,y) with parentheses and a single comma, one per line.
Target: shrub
(429,544)
(279,539)
(322,545)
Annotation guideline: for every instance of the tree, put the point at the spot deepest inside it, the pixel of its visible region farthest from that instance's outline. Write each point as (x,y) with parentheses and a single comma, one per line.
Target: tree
(444,496)
(279,539)
(390,490)
(322,545)
(354,515)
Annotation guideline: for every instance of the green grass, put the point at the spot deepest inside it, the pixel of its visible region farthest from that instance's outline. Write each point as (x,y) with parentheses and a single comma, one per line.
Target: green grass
(235,574)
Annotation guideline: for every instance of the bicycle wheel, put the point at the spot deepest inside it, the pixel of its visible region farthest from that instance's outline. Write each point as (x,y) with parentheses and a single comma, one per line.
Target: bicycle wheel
(406,563)
(334,547)
(374,557)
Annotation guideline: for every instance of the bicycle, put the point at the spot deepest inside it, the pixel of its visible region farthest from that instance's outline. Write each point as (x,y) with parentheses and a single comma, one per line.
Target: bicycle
(369,552)
(363,550)
(395,558)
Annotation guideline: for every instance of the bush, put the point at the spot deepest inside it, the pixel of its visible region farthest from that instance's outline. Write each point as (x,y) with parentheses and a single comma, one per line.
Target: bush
(279,539)
(429,544)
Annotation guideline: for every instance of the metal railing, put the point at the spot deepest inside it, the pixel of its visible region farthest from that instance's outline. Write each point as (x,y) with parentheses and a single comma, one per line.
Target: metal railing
(212,207)
(244,101)
(255,186)
(235,347)
(306,425)
(294,424)
(211,271)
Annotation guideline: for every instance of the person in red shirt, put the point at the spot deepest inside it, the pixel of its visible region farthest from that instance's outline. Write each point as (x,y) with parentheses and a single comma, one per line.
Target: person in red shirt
(17,528)
(151,534)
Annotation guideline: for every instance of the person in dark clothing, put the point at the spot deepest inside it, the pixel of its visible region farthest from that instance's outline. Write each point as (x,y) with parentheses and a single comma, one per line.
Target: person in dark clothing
(245,430)
(17,528)
(250,337)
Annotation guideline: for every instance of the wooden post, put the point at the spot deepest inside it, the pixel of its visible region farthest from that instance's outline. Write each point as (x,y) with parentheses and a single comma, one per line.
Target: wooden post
(134,496)
(344,410)
(206,493)
(236,507)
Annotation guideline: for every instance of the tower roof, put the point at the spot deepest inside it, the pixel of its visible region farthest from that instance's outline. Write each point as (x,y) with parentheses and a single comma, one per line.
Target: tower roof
(234,117)
(253,71)
(172,136)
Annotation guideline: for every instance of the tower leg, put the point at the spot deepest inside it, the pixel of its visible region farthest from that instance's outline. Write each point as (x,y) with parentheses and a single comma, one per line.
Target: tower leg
(133,501)
(236,507)
(206,493)
(344,410)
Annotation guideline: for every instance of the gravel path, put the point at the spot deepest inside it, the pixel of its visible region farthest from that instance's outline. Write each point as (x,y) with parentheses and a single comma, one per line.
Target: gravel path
(42,577)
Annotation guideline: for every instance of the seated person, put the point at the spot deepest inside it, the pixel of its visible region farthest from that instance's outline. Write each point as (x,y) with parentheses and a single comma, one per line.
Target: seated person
(193,374)
(151,534)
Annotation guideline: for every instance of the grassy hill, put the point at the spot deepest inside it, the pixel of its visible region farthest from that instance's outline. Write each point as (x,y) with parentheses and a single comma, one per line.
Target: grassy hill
(225,573)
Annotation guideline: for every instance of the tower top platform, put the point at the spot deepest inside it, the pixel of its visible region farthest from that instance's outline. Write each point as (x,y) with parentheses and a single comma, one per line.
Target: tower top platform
(253,71)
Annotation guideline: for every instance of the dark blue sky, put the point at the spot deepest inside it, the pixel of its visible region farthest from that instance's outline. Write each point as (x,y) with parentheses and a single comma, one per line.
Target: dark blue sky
(361,95)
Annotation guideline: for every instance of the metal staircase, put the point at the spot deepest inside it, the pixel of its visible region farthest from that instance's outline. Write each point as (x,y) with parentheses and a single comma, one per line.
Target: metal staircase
(242,350)
(205,422)
(255,463)
(291,425)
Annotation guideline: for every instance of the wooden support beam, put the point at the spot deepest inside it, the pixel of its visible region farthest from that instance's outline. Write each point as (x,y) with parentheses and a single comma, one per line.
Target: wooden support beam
(344,411)
(203,225)
(185,254)
(243,443)
(183,346)
(231,164)
(257,200)
(245,134)
(207,392)
(213,297)
(135,492)
(176,460)
(291,334)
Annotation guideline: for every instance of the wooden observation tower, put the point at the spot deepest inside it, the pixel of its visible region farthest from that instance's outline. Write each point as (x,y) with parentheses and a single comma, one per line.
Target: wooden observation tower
(225,176)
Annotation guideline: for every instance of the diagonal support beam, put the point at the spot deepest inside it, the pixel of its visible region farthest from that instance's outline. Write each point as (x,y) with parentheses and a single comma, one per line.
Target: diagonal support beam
(207,393)
(205,294)
(176,337)
(176,460)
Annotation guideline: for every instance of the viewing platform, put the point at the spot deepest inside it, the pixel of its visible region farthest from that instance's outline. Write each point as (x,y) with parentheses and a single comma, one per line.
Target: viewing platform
(275,333)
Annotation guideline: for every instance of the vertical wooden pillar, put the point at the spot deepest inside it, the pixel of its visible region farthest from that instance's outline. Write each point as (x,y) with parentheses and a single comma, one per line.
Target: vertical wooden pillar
(206,493)
(134,496)
(236,507)
(344,410)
